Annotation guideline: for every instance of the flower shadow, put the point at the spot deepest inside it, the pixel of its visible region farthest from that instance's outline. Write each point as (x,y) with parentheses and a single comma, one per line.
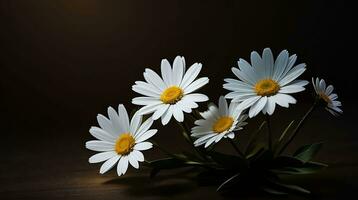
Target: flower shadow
(162,185)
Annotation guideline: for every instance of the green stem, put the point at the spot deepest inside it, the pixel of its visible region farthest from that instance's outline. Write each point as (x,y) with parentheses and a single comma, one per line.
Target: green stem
(299,126)
(253,137)
(269,132)
(190,140)
(162,149)
(237,148)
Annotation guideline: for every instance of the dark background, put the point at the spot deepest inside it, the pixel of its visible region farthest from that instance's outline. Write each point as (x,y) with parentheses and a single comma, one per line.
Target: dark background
(62,62)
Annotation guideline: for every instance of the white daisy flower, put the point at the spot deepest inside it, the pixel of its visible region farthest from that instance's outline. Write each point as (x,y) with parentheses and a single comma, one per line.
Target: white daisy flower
(171,95)
(120,140)
(265,82)
(326,94)
(218,123)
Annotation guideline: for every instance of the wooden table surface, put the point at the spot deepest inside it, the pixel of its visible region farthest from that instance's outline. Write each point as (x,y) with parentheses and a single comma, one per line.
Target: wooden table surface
(53,165)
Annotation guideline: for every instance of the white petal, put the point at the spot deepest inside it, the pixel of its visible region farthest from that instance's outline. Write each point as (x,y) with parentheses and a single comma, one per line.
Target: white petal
(108,164)
(245,73)
(284,100)
(268,61)
(204,138)
(243,97)
(238,87)
(196,85)
(280,64)
(143,146)
(106,124)
(123,117)
(291,61)
(167,115)
(97,145)
(301,83)
(188,102)
(178,113)
(329,89)
(135,122)
(122,165)
(333,96)
(149,108)
(133,161)
(100,157)
(146,135)
(213,139)
(101,134)
(184,107)
(148,86)
(271,104)
(293,74)
(196,97)
(257,107)
(231,135)
(143,101)
(144,127)
(145,91)
(223,107)
(191,74)
(248,102)
(178,70)
(160,111)
(314,85)
(138,155)
(116,121)
(258,64)
(166,70)
(152,77)
(291,89)
(322,85)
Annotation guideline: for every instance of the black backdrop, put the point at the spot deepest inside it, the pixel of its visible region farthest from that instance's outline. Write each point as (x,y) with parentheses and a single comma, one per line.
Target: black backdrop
(62,62)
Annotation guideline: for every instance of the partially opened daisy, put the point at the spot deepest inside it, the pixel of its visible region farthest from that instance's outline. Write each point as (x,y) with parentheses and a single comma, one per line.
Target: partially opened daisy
(218,123)
(265,82)
(119,140)
(172,94)
(327,95)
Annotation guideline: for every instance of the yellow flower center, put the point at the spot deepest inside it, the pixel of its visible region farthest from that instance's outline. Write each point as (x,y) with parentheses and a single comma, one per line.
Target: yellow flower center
(223,124)
(124,144)
(325,97)
(266,87)
(171,95)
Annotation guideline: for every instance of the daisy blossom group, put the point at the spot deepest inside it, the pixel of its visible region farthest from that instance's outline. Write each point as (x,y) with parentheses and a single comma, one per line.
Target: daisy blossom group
(258,87)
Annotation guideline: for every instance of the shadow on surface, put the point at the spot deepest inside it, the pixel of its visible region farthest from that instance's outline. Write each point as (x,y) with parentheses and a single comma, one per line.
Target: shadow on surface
(163,185)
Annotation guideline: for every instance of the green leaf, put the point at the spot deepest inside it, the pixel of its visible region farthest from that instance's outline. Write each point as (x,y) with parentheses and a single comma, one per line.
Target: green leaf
(231,180)
(287,187)
(306,168)
(165,163)
(255,151)
(227,161)
(307,152)
(272,190)
(286,130)
(287,161)
(262,159)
